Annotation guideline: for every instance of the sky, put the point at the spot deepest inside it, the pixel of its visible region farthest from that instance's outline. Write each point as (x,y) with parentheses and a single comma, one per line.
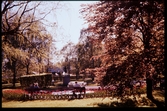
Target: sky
(69,23)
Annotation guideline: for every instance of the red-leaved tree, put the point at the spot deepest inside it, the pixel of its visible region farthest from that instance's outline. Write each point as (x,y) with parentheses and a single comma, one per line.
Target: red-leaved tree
(132,35)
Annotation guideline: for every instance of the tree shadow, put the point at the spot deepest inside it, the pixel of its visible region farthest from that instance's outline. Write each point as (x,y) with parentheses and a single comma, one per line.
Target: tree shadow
(130,103)
(127,103)
(157,102)
(160,93)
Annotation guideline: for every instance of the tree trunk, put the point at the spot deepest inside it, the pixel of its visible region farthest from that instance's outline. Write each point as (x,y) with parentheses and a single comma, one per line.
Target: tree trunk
(149,88)
(27,69)
(77,74)
(47,70)
(14,73)
(69,68)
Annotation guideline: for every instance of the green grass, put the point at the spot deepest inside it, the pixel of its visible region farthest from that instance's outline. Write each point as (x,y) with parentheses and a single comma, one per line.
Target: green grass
(10,85)
(86,102)
(58,84)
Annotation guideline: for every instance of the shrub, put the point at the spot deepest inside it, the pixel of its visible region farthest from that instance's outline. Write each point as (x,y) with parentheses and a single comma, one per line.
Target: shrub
(141,90)
(14,94)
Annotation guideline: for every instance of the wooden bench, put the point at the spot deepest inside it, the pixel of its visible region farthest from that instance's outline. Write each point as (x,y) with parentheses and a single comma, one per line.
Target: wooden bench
(32,90)
(79,90)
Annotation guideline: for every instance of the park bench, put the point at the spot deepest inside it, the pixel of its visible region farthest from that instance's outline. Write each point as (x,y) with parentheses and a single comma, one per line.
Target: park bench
(78,91)
(32,89)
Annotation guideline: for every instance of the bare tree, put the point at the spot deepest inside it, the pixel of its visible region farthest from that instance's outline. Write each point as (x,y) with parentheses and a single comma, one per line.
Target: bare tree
(18,19)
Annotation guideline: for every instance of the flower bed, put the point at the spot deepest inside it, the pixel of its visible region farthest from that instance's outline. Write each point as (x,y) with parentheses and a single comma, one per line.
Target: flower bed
(14,94)
(19,94)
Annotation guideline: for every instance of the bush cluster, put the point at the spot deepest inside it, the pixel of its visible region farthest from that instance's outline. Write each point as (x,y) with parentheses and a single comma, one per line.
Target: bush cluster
(14,94)
(22,95)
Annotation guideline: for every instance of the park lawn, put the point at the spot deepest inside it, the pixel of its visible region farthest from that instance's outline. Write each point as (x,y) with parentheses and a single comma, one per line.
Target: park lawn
(86,102)
(89,102)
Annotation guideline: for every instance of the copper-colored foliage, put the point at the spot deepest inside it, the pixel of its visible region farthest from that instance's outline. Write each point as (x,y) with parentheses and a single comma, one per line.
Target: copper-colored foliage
(133,38)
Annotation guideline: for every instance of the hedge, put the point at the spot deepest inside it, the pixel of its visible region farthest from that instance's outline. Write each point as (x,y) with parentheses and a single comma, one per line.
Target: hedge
(43,80)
